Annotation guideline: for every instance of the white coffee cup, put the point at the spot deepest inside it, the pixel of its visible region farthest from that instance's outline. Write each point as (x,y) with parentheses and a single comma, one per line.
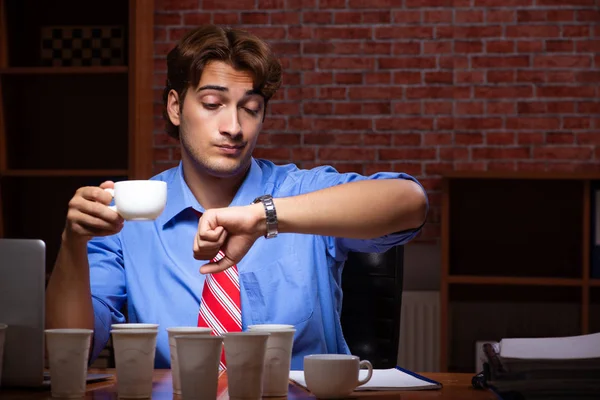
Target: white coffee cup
(278,358)
(3,328)
(134,359)
(68,352)
(139,200)
(334,376)
(181,330)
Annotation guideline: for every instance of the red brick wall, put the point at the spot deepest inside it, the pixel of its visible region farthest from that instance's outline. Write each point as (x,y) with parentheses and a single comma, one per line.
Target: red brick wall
(421,86)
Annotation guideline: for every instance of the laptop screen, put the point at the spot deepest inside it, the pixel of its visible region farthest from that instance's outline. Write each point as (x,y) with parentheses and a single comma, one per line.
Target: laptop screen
(22,293)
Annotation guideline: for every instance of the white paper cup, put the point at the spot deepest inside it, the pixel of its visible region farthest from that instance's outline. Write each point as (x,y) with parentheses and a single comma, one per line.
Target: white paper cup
(134,360)
(181,330)
(134,325)
(68,352)
(278,358)
(334,376)
(199,357)
(3,328)
(270,327)
(245,357)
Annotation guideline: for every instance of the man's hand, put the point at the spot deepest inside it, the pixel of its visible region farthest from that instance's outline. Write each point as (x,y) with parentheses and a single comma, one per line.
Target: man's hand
(233,230)
(89,215)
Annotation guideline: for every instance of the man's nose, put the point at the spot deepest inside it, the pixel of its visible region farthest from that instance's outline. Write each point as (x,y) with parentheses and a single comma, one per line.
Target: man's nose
(230,123)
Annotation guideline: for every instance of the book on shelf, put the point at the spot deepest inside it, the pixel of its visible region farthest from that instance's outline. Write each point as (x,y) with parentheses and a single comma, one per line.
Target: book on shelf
(556,367)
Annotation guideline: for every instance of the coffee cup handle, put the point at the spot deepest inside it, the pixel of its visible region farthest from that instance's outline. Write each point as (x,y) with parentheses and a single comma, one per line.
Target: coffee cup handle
(365,364)
(112,193)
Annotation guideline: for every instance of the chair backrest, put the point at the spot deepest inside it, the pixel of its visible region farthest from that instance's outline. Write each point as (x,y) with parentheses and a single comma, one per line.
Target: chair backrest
(372,286)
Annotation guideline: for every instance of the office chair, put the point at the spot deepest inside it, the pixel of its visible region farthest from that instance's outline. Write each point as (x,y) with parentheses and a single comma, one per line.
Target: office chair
(372,286)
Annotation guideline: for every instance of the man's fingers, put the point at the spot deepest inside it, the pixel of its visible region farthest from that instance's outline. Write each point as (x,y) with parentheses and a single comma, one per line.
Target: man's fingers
(206,254)
(87,230)
(88,214)
(97,194)
(107,184)
(94,223)
(97,210)
(202,245)
(211,235)
(218,266)
(205,249)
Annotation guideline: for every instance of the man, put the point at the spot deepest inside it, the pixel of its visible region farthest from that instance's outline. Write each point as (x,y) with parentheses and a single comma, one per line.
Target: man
(218,87)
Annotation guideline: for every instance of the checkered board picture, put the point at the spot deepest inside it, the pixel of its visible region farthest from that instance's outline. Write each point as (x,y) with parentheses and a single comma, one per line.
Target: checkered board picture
(66,46)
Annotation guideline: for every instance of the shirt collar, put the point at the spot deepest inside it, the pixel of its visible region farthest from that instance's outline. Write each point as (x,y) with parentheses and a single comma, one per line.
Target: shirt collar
(180,197)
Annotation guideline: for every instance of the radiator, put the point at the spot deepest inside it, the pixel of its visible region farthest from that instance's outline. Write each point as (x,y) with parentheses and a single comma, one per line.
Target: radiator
(419,348)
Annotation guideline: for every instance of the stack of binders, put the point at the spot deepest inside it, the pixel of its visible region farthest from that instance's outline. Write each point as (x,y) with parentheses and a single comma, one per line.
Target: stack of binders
(544,368)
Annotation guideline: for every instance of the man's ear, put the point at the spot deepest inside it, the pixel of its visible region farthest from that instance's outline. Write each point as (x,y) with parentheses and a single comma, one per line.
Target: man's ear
(174,107)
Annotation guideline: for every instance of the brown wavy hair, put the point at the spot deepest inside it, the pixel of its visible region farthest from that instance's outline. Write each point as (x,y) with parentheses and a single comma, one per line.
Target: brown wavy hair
(240,49)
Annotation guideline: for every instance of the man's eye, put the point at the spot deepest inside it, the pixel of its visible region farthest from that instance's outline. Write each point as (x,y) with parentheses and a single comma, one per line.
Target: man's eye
(210,106)
(251,111)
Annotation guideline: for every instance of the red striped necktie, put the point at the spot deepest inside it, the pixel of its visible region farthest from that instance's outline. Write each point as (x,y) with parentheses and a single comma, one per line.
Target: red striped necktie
(220,306)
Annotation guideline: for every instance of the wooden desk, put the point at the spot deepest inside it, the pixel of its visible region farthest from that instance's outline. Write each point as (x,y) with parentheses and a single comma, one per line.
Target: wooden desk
(456,387)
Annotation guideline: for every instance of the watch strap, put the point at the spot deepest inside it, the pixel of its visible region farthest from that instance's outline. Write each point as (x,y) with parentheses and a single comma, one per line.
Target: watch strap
(271,213)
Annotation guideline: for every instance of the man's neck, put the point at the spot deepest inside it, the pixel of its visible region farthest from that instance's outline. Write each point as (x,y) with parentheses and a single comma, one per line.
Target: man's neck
(211,191)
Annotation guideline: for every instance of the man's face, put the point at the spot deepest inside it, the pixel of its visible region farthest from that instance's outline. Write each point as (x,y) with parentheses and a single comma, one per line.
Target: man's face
(220,120)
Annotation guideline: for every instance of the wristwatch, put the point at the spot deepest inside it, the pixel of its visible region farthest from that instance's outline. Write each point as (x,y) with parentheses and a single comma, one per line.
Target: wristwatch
(267,201)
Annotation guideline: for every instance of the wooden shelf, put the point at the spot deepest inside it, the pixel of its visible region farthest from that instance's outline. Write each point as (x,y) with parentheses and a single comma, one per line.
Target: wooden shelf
(522,175)
(91,124)
(64,172)
(501,249)
(509,280)
(64,70)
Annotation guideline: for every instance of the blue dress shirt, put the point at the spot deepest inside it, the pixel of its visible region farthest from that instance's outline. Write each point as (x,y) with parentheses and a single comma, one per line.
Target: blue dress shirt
(292,279)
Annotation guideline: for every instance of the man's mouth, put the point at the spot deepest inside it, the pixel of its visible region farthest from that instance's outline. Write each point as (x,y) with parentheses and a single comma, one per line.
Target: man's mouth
(232,150)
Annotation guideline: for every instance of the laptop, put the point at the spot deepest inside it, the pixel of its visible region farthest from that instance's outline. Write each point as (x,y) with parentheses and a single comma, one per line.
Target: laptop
(22,308)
